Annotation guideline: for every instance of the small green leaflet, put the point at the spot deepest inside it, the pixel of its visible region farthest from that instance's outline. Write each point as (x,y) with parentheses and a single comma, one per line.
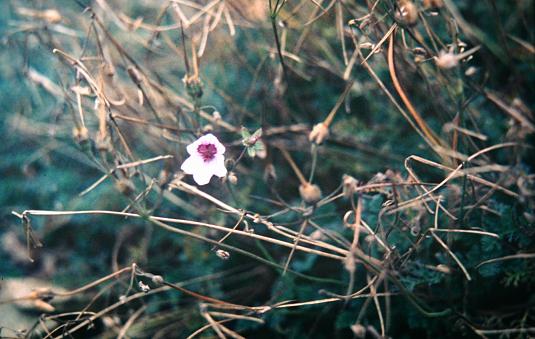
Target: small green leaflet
(252,142)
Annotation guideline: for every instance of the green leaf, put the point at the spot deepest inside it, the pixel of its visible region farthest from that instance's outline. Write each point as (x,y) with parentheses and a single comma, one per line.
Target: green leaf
(245,133)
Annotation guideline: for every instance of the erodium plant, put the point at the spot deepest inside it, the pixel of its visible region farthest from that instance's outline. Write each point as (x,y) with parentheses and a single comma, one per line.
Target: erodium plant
(255,168)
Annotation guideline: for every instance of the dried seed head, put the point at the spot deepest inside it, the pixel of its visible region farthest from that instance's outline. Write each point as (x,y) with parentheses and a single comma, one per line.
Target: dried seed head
(310,193)
(319,133)
(358,330)
(408,12)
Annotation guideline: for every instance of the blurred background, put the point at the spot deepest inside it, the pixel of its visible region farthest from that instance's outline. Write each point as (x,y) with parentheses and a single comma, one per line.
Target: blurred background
(99,99)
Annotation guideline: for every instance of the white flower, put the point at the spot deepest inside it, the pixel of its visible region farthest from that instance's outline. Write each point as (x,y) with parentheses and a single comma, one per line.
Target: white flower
(205,159)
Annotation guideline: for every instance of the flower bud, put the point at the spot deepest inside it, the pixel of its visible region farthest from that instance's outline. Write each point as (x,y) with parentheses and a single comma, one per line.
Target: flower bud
(319,133)
(232,178)
(446,60)
(310,193)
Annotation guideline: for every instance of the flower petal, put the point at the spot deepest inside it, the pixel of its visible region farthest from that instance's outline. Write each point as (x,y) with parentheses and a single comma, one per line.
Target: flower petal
(206,139)
(217,166)
(202,177)
(193,164)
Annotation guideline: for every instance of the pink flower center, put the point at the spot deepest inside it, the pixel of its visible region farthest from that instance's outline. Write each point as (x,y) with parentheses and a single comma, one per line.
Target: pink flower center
(207,151)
